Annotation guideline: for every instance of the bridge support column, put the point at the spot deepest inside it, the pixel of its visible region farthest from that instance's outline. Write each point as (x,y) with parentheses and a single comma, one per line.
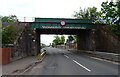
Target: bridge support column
(91,40)
(38,42)
(81,42)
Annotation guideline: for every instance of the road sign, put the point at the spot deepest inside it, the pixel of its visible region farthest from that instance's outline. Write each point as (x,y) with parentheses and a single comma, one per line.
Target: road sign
(62,23)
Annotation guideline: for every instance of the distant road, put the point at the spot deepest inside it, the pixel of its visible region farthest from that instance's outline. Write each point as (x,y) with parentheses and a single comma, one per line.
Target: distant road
(63,62)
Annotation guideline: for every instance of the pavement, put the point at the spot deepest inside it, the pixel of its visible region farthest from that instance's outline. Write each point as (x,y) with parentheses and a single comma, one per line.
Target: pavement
(63,62)
(15,66)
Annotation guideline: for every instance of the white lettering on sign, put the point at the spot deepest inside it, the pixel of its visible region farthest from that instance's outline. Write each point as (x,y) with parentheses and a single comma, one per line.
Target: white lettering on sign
(50,27)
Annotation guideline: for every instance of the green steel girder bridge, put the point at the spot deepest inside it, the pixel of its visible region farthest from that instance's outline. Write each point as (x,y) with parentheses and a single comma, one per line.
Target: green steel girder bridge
(61,25)
(83,28)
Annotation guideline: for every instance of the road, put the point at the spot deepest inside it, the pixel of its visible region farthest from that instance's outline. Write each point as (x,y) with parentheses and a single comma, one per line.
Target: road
(63,62)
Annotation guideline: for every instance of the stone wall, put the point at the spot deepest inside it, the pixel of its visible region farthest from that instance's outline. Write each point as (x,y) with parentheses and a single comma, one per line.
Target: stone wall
(100,39)
(24,46)
(86,40)
(91,40)
(106,41)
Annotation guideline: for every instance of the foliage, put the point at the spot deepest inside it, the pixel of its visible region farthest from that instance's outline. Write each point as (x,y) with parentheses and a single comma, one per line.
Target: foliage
(58,40)
(75,38)
(89,13)
(11,18)
(8,34)
(0,23)
(72,38)
(109,12)
(62,39)
(111,15)
(53,44)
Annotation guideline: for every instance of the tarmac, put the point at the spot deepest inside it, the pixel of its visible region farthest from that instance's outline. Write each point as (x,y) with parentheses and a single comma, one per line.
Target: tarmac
(15,66)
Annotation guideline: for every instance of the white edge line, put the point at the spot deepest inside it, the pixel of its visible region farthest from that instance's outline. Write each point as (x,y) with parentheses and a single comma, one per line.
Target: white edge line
(66,56)
(29,67)
(82,66)
(104,60)
(25,71)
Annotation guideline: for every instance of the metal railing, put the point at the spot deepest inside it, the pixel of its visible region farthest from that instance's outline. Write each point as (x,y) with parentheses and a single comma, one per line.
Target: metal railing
(26,19)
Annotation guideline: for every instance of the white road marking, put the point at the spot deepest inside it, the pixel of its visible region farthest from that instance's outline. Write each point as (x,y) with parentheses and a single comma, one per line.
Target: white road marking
(25,71)
(104,60)
(82,65)
(66,56)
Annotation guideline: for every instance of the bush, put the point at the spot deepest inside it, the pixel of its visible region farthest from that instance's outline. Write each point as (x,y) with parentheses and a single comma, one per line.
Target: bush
(8,34)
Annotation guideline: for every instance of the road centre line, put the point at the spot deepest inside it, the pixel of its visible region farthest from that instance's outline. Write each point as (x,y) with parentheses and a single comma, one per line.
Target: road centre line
(66,56)
(82,65)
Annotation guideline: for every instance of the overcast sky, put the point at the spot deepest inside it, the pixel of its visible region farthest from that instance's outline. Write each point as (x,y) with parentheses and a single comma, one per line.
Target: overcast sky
(45,9)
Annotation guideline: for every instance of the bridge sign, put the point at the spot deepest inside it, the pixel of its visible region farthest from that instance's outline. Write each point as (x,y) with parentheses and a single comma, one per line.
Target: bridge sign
(60,23)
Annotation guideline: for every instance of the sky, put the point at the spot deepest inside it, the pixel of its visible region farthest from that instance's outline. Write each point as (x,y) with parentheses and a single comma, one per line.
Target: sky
(45,9)
(47,39)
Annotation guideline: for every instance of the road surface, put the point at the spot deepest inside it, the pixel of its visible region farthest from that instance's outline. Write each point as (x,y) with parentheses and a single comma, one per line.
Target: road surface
(63,62)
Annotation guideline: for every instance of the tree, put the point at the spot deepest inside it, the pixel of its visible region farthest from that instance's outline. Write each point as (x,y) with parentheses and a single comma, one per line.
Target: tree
(9,32)
(111,15)
(70,38)
(0,23)
(62,39)
(11,18)
(89,13)
(53,44)
(58,40)
(109,12)
(8,35)
(75,38)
